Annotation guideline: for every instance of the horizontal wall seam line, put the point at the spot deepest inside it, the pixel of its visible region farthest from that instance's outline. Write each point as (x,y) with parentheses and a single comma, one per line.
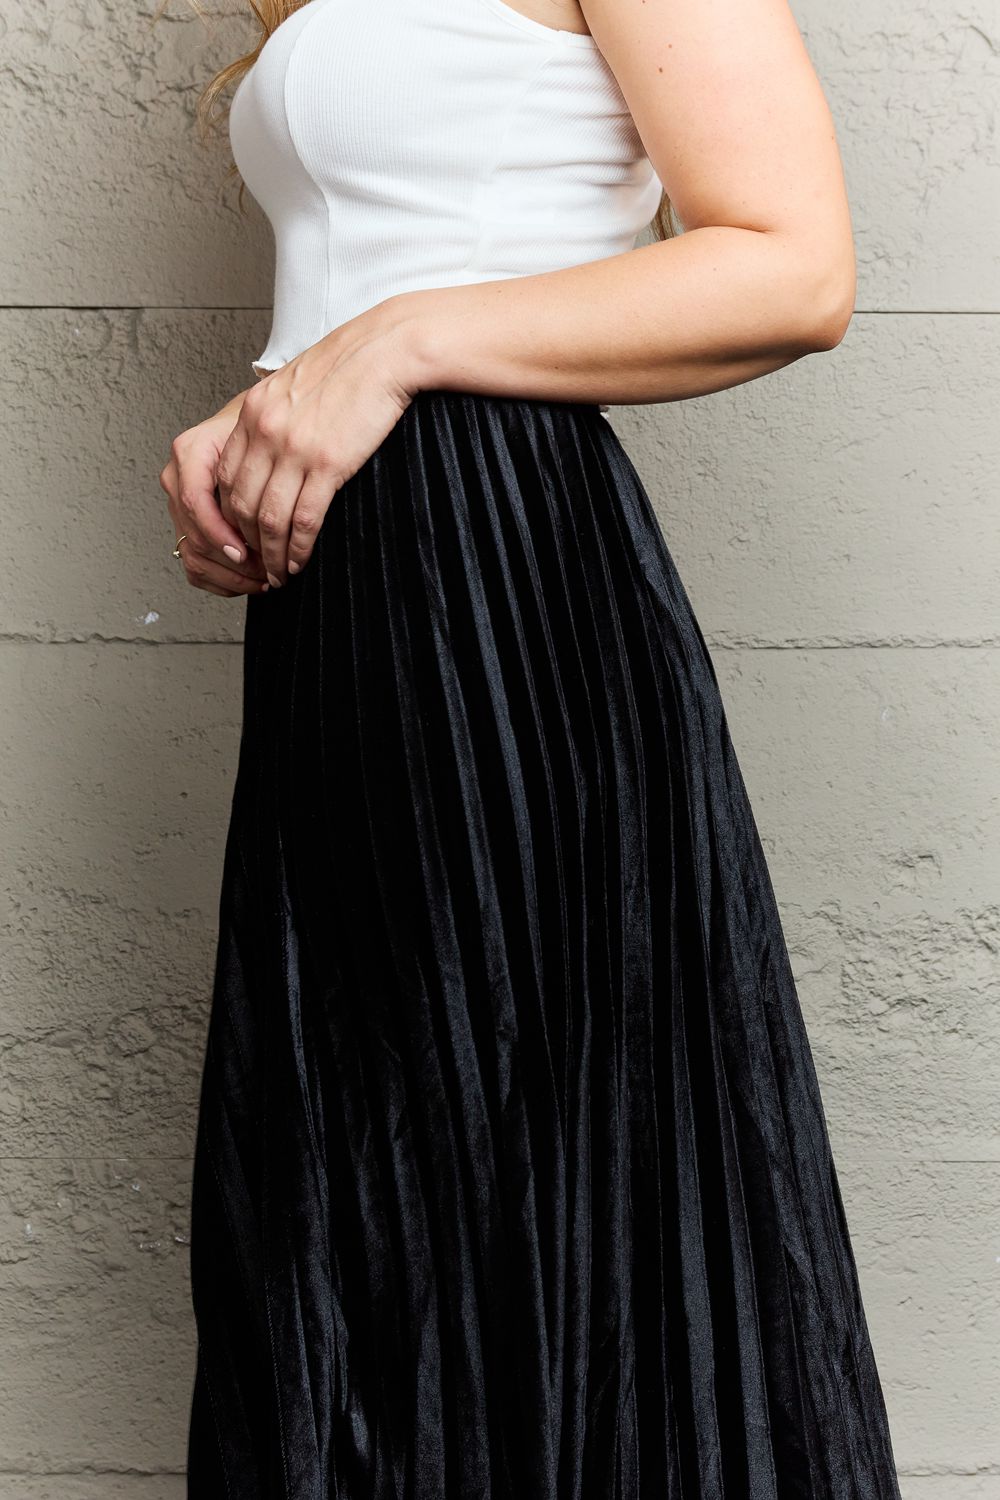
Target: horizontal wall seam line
(128,307)
(867,312)
(985,643)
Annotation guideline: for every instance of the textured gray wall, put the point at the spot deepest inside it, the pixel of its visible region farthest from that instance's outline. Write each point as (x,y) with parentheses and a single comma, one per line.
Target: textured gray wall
(837,528)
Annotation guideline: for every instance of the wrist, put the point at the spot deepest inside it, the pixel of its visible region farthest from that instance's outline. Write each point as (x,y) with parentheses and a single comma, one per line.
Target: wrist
(232,409)
(415,323)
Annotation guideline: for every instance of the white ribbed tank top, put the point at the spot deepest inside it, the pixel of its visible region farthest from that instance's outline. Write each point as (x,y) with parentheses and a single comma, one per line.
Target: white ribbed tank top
(401,144)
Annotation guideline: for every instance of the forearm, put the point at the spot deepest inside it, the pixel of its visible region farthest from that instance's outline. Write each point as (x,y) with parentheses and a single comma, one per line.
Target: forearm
(711,308)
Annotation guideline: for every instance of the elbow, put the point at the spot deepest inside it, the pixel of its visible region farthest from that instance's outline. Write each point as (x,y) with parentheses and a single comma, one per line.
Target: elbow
(831,321)
(829,305)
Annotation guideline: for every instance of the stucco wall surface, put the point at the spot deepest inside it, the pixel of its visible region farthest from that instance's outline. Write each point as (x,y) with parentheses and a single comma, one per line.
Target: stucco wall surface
(837,526)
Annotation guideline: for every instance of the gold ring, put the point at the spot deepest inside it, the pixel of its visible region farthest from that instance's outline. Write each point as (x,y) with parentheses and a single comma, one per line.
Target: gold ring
(177,546)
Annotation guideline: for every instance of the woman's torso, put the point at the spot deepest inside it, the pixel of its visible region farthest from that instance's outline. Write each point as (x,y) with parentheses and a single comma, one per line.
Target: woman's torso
(400,144)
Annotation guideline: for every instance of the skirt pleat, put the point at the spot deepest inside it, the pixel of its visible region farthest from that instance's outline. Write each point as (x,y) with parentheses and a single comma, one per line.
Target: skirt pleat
(512,1179)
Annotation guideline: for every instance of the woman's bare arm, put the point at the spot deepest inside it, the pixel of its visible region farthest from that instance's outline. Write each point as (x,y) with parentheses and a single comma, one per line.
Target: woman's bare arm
(736,124)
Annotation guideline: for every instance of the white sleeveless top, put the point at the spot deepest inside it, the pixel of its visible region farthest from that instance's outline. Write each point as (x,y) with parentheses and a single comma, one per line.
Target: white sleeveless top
(401,144)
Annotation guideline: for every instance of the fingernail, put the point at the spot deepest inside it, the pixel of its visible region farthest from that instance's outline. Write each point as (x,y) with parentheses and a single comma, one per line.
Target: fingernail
(293,567)
(234,553)
(274,582)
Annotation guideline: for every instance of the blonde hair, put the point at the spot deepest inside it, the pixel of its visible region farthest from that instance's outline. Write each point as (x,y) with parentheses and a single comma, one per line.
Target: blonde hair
(211,109)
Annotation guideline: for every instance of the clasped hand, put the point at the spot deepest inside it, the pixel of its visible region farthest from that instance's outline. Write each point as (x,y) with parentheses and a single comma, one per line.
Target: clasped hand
(251,485)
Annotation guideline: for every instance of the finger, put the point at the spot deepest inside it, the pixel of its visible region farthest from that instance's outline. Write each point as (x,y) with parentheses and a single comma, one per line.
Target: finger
(230,458)
(198,533)
(209,588)
(228,467)
(252,567)
(242,509)
(310,511)
(168,478)
(194,480)
(204,572)
(274,519)
(197,544)
(197,541)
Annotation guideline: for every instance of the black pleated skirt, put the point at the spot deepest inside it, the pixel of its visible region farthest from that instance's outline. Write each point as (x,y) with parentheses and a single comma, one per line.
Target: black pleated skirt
(512,1179)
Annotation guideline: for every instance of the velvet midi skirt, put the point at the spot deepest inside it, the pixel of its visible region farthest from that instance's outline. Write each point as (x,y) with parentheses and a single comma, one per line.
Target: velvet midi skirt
(512,1179)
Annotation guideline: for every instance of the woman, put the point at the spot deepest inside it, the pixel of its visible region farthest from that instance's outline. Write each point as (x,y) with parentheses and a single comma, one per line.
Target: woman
(512,1175)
